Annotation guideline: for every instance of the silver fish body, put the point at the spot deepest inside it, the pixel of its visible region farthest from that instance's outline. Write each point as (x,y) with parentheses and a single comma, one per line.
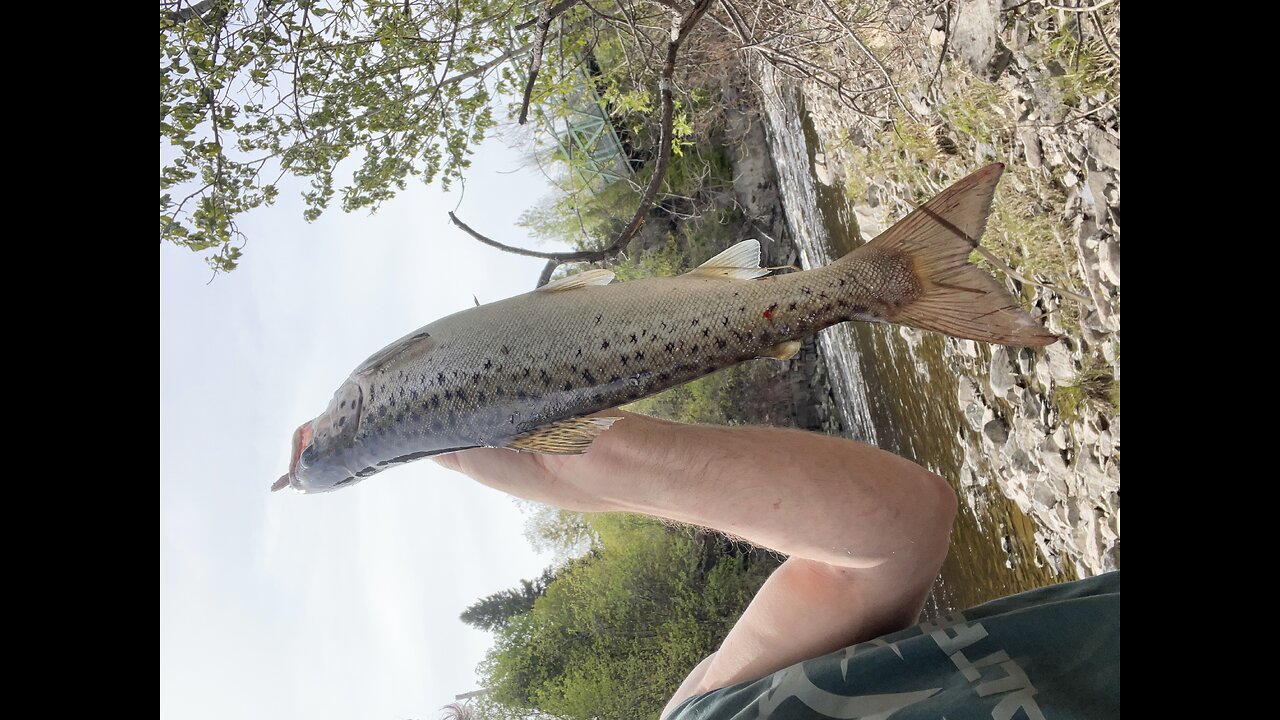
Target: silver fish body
(499,374)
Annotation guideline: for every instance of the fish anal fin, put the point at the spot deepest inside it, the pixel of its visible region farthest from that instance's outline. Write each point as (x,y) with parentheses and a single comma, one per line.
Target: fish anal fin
(585,278)
(739,262)
(782,351)
(567,437)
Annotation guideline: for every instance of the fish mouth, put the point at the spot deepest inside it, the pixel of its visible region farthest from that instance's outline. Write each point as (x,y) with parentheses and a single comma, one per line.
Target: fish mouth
(301,440)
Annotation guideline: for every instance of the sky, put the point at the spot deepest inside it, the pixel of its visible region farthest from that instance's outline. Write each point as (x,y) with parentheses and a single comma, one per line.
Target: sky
(345,604)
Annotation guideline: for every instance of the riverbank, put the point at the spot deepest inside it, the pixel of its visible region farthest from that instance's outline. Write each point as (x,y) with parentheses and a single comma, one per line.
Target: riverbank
(1043,426)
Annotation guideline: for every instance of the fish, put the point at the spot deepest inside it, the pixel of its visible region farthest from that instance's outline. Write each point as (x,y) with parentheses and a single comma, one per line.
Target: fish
(529,372)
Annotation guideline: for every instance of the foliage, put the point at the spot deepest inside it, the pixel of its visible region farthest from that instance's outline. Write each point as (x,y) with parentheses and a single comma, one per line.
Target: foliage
(250,91)
(617,631)
(496,610)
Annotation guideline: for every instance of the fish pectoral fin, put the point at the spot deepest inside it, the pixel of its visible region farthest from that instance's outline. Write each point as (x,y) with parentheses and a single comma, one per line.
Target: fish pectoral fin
(782,351)
(740,262)
(567,437)
(582,279)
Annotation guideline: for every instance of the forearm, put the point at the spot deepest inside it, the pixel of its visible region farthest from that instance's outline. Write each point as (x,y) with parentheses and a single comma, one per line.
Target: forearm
(827,499)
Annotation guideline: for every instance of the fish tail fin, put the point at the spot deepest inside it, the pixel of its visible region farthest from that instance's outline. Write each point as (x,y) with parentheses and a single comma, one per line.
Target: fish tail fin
(918,271)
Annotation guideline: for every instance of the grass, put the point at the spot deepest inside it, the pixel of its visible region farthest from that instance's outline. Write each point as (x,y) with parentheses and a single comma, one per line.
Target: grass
(1088,67)
(1094,388)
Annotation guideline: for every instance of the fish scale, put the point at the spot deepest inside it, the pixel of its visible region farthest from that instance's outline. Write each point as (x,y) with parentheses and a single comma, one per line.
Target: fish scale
(525,371)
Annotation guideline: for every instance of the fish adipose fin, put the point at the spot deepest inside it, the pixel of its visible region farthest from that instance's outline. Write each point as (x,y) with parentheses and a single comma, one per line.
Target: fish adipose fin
(940,290)
(567,437)
(740,262)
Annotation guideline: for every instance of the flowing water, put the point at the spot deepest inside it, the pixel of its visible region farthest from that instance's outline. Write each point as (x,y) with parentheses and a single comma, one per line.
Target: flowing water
(887,395)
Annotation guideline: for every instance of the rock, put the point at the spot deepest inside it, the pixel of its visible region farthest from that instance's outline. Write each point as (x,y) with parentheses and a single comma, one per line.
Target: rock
(1002,378)
(1070,179)
(1105,446)
(1109,261)
(1103,147)
(1062,367)
(996,432)
(976,415)
(966,348)
(975,37)
(1031,146)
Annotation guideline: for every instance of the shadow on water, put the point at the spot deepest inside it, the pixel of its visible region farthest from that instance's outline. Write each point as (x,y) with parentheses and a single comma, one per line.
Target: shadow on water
(908,400)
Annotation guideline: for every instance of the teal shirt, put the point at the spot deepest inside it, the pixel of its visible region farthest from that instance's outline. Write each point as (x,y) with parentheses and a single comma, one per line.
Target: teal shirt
(1049,653)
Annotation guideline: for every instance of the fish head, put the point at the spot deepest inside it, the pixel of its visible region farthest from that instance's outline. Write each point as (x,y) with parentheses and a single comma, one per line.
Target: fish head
(324,449)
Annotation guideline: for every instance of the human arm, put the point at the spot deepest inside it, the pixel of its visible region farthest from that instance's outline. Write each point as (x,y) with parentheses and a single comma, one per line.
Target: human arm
(866,531)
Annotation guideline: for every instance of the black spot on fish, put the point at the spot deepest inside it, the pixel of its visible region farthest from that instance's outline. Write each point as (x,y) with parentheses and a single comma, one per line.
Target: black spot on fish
(841,282)
(579,354)
(413,394)
(506,350)
(693,322)
(724,321)
(546,379)
(671,347)
(475,378)
(586,375)
(440,378)
(482,396)
(366,472)
(499,392)
(525,372)
(568,386)
(343,405)
(391,402)
(573,368)
(623,358)
(720,343)
(382,387)
(344,481)
(604,345)
(822,295)
(792,306)
(633,338)
(382,411)
(448,394)
(342,421)
(694,349)
(488,363)
(435,401)
(742,309)
(462,396)
(399,417)
(598,317)
(806,291)
(706,332)
(639,355)
(737,336)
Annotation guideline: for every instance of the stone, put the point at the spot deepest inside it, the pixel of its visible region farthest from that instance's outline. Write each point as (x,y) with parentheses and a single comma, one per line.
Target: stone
(1001,376)
(1109,261)
(1062,367)
(975,37)
(996,432)
(1103,147)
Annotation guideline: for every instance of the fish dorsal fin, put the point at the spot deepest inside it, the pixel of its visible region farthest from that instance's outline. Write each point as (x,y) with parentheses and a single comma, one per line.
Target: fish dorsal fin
(419,342)
(740,262)
(582,279)
(567,437)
